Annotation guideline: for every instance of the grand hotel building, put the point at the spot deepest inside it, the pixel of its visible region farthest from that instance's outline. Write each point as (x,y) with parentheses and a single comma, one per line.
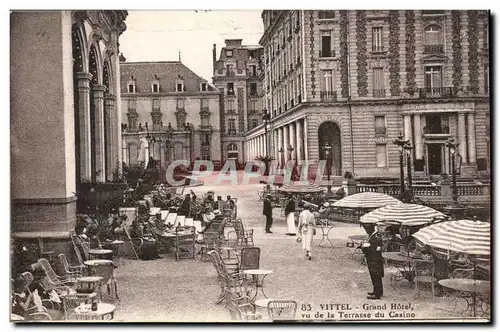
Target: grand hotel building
(349,82)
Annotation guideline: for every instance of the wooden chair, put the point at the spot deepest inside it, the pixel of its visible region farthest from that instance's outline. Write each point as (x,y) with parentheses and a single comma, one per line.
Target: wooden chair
(282,309)
(185,244)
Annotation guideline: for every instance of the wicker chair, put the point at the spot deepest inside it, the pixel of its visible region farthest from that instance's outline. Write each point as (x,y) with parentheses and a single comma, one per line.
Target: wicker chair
(240,306)
(185,244)
(282,309)
(211,241)
(76,270)
(226,280)
(245,237)
(250,258)
(53,278)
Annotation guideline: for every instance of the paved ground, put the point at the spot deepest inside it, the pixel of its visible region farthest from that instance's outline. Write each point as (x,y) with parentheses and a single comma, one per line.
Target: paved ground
(186,290)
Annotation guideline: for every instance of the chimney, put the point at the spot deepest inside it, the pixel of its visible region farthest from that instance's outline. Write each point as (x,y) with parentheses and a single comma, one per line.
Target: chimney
(214,56)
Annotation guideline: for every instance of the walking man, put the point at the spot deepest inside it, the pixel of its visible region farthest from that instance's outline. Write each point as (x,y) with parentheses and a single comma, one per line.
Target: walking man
(268,212)
(372,249)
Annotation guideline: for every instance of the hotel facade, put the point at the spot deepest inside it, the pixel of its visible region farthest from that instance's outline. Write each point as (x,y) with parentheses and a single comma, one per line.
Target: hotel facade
(346,84)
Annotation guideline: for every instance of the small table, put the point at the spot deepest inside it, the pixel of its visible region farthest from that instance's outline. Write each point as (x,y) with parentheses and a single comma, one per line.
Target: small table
(325,233)
(259,282)
(468,285)
(90,283)
(357,242)
(115,247)
(100,253)
(105,311)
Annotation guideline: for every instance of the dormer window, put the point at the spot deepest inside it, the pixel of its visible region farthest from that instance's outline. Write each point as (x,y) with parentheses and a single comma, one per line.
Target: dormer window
(203,86)
(155,87)
(229,53)
(179,87)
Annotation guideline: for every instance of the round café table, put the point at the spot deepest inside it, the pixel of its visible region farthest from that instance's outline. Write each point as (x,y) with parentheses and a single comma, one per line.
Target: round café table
(89,284)
(259,282)
(472,286)
(100,253)
(326,227)
(105,311)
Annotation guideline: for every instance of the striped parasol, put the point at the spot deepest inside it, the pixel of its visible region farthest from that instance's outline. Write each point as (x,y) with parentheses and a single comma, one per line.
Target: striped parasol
(403,213)
(300,187)
(465,236)
(366,200)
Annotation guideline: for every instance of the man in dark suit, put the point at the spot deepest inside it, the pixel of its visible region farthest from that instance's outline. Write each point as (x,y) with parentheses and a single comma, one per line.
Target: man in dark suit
(268,212)
(372,249)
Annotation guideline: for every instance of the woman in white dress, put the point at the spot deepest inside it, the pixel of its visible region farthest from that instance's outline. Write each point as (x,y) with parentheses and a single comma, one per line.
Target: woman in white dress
(290,217)
(307,228)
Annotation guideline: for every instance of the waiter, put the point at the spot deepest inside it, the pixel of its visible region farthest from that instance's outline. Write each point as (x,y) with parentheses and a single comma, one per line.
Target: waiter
(268,212)
(372,249)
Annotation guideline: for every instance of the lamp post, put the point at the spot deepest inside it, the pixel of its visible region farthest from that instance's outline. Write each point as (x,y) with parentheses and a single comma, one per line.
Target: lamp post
(265,118)
(455,209)
(401,143)
(408,147)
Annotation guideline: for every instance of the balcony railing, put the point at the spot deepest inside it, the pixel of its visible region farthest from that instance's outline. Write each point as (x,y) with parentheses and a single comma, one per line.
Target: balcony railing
(327,95)
(377,49)
(436,130)
(380,131)
(378,93)
(327,54)
(230,73)
(439,92)
(204,109)
(253,93)
(206,127)
(434,49)
(156,110)
(231,131)
(231,111)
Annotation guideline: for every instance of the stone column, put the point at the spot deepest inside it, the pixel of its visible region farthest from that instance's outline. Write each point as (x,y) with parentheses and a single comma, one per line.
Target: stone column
(84,127)
(472,138)
(293,143)
(100,165)
(276,146)
(407,127)
(286,141)
(298,134)
(306,151)
(462,148)
(111,135)
(419,146)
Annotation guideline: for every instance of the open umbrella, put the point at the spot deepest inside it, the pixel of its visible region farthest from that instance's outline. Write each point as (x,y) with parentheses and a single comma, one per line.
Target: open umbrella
(403,213)
(464,236)
(367,200)
(298,187)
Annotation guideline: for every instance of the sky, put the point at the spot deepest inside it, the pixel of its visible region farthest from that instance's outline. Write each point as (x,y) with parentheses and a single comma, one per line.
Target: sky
(161,35)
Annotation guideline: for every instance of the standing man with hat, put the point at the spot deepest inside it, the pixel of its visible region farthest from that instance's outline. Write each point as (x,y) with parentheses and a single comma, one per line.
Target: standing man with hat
(372,249)
(268,212)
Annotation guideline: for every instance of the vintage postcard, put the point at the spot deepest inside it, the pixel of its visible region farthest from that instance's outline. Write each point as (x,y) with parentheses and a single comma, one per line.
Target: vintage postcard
(250,166)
